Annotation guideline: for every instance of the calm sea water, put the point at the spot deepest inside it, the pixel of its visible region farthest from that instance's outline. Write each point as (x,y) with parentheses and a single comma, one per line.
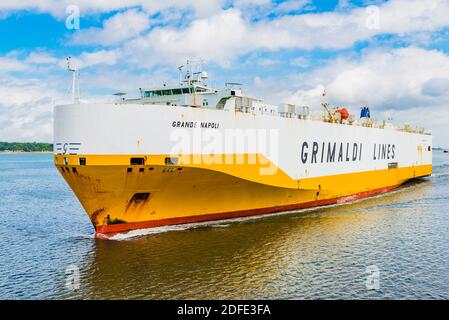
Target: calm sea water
(45,237)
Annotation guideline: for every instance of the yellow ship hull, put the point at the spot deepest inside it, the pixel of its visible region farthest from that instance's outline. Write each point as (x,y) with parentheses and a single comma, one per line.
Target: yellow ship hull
(119,197)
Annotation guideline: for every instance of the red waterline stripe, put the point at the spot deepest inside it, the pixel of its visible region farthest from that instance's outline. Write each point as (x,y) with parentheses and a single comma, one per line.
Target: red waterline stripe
(111,229)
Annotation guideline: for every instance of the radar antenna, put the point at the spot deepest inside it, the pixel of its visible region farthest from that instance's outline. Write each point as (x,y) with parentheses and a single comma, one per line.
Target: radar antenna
(75,81)
(180,73)
(194,73)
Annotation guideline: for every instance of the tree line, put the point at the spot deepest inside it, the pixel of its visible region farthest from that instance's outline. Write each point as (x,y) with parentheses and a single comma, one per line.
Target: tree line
(26,146)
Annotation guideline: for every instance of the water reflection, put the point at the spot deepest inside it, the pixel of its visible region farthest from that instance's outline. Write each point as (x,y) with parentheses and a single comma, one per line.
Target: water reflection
(321,253)
(316,254)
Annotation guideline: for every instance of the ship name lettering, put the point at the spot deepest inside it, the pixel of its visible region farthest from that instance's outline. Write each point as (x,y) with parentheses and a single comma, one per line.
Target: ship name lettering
(183,124)
(384,151)
(210,125)
(330,152)
(194,124)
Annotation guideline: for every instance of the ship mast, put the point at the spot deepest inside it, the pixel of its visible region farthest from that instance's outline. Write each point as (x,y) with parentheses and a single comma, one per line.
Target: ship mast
(75,81)
(180,73)
(194,72)
(325,105)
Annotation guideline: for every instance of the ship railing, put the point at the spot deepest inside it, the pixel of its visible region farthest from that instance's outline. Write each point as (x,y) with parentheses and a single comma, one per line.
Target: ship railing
(289,112)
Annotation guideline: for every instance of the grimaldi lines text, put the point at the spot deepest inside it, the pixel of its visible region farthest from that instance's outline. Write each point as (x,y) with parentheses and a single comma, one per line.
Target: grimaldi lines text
(342,151)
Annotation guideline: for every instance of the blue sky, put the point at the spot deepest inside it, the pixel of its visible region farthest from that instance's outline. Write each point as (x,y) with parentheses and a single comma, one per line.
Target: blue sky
(392,55)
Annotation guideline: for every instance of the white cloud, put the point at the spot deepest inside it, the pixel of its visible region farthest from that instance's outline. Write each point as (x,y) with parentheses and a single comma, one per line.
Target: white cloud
(38,62)
(216,38)
(300,62)
(222,35)
(90,59)
(390,77)
(57,8)
(291,5)
(26,110)
(226,35)
(41,58)
(406,82)
(267,62)
(31,121)
(433,119)
(436,87)
(380,77)
(336,30)
(8,64)
(120,27)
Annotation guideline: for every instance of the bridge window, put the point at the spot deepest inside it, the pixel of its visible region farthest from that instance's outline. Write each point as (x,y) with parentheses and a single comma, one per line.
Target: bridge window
(185,90)
(166,92)
(149,94)
(177,91)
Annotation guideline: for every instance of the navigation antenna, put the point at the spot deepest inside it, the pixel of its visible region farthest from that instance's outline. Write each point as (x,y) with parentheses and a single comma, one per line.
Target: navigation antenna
(75,82)
(194,72)
(180,73)
(325,105)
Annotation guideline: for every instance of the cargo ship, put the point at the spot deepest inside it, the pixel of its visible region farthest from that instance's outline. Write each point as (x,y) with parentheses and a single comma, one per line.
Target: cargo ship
(189,153)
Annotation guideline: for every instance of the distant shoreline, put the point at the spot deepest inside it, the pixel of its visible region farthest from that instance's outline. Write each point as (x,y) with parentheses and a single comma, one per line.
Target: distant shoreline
(22,147)
(24,152)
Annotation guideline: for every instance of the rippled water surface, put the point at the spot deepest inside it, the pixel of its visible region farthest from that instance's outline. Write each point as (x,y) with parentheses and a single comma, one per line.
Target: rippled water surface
(320,253)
